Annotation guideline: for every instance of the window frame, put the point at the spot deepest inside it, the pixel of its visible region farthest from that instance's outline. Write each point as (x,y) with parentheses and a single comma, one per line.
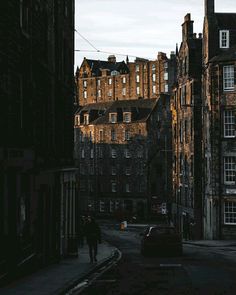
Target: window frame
(229,170)
(228,77)
(224,38)
(231,212)
(111,116)
(127,117)
(229,124)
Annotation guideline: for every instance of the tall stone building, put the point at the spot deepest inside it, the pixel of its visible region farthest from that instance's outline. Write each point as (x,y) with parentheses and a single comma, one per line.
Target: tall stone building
(36,126)
(219,141)
(101,81)
(114,144)
(186,111)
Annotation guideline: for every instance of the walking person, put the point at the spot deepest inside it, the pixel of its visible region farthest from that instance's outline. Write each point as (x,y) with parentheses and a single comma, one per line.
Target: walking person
(93,235)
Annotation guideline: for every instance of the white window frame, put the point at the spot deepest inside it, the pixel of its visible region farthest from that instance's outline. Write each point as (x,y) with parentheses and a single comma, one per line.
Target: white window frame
(77,120)
(224,38)
(154,89)
(114,187)
(123,91)
(166,88)
(86,119)
(98,82)
(154,77)
(166,76)
(138,90)
(109,81)
(229,170)
(85,83)
(229,124)
(127,135)
(99,93)
(153,67)
(109,93)
(111,206)
(91,153)
(137,67)
(127,170)
(230,212)
(228,78)
(113,134)
(127,188)
(124,80)
(137,78)
(113,118)
(85,94)
(113,153)
(113,170)
(127,153)
(101,206)
(127,117)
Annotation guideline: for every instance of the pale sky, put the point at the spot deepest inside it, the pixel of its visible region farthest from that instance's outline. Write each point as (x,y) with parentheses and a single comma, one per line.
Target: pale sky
(139,28)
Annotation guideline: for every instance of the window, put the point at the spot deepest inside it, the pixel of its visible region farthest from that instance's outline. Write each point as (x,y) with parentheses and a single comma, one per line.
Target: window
(100,152)
(82,154)
(101,135)
(137,79)
(128,170)
(110,81)
(126,135)
(86,119)
(127,153)
(91,170)
(228,77)
(81,137)
(229,170)
(165,65)
(77,120)
(90,136)
(230,212)
(109,92)
(137,68)
(166,76)
(137,90)
(85,94)
(124,80)
(113,134)
(224,39)
(123,91)
(153,67)
(140,153)
(113,170)
(166,88)
(127,188)
(154,77)
(154,89)
(91,153)
(112,206)
(101,206)
(229,123)
(113,187)
(85,83)
(127,117)
(113,153)
(98,82)
(113,117)
(99,93)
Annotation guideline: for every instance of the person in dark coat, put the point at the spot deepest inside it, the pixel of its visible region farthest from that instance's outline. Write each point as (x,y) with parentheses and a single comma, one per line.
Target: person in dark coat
(93,235)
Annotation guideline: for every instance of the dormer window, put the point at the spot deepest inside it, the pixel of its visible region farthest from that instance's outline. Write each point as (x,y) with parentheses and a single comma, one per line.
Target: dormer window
(86,119)
(224,39)
(127,117)
(113,117)
(77,120)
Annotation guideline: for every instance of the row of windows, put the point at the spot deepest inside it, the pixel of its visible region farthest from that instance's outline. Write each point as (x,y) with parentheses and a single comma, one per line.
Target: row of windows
(113,171)
(113,153)
(85,82)
(114,187)
(112,118)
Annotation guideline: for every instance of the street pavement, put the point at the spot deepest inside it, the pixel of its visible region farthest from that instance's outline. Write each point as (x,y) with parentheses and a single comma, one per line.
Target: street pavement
(60,277)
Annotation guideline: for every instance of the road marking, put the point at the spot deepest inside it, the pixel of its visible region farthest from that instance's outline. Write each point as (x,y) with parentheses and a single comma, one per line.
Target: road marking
(170,265)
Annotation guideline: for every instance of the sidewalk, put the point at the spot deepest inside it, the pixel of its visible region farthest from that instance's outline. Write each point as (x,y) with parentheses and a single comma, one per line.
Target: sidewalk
(211,243)
(59,277)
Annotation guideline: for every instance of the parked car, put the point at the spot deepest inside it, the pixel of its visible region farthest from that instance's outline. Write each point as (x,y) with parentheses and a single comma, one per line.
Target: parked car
(161,239)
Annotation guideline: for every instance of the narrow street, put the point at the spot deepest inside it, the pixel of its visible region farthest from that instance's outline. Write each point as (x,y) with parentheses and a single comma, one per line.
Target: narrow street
(201,270)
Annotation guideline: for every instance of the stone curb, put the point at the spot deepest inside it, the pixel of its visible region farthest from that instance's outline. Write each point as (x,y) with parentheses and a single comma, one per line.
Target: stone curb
(74,282)
(208,245)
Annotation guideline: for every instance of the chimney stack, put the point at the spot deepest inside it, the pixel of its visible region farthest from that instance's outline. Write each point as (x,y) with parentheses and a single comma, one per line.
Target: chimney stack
(209,7)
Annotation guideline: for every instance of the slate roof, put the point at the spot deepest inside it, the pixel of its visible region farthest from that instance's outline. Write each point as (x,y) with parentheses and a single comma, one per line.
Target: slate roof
(97,65)
(226,20)
(99,112)
(227,55)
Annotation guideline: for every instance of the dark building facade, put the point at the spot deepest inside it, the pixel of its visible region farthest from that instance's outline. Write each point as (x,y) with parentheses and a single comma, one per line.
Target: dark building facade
(36,92)
(115,142)
(219,141)
(187,135)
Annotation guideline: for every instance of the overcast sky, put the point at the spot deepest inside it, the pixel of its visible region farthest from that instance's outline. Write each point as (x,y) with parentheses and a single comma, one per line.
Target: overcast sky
(136,27)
